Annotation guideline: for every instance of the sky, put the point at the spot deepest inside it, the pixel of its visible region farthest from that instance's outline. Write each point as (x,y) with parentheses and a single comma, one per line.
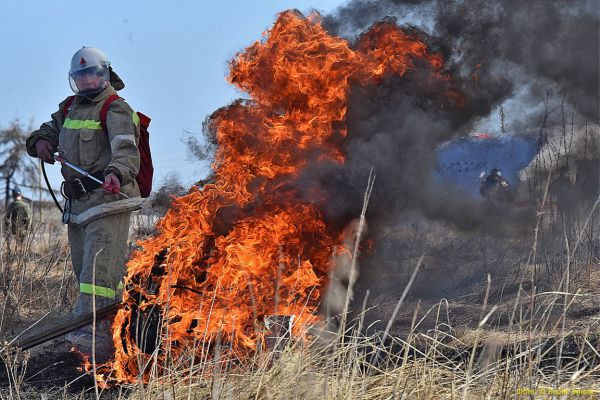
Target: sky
(172,55)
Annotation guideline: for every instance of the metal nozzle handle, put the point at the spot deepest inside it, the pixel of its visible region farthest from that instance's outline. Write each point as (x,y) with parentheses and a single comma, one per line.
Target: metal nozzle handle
(59,156)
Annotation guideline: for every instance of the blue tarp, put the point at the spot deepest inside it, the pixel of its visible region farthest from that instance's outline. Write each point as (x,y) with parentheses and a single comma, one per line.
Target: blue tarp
(460,161)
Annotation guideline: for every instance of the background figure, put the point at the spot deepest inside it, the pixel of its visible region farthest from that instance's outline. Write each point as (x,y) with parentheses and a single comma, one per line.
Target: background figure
(18,216)
(495,187)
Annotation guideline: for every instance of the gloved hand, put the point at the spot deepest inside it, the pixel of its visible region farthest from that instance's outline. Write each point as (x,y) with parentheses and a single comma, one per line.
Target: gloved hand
(44,150)
(111,183)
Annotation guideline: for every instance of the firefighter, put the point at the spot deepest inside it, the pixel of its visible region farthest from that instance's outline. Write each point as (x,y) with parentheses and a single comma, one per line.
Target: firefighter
(495,187)
(97,215)
(17,219)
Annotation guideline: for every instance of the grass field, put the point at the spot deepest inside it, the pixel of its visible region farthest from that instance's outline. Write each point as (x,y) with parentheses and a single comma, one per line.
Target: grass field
(535,334)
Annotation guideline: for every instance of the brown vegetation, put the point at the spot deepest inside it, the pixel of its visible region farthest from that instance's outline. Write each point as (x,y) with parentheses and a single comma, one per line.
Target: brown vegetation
(536,332)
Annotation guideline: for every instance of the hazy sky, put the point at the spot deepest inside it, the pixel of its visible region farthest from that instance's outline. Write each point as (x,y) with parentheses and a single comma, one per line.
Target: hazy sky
(172,56)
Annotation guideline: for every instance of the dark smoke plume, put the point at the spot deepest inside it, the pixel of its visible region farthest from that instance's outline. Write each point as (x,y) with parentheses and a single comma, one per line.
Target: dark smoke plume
(555,43)
(498,52)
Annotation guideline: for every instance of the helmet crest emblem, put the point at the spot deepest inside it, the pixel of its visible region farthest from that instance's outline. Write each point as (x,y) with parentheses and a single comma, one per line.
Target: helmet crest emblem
(82,61)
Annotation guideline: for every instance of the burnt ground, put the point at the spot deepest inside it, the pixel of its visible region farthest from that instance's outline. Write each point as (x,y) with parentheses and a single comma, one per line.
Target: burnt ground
(50,368)
(53,368)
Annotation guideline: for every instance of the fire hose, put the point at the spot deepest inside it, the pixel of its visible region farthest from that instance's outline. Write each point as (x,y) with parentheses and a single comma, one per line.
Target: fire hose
(62,329)
(50,187)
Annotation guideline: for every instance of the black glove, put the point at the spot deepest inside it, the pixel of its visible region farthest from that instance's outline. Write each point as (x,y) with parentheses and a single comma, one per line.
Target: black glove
(44,150)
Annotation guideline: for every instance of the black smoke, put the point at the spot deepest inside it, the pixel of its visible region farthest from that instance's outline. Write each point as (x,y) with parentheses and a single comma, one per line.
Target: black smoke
(526,56)
(497,53)
(554,44)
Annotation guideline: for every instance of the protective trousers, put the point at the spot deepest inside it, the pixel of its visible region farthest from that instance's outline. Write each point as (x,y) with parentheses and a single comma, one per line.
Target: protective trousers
(99,254)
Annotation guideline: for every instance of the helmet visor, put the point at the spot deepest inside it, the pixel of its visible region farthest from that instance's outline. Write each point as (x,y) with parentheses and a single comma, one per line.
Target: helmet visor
(90,80)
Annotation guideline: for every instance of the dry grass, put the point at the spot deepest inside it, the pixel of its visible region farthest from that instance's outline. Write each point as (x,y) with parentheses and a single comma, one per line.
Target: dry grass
(531,340)
(35,275)
(446,362)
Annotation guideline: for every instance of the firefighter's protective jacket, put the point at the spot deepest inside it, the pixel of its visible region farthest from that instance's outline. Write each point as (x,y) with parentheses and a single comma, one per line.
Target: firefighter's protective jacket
(84,143)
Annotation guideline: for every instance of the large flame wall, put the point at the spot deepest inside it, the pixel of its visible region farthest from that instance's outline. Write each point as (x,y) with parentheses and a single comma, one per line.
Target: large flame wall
(245,246)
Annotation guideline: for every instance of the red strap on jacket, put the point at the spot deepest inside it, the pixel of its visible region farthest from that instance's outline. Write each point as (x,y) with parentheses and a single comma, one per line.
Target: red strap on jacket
(68,102)
(104,110)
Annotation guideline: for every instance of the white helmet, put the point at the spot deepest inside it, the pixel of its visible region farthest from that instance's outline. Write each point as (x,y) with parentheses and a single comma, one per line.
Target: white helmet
(89,73)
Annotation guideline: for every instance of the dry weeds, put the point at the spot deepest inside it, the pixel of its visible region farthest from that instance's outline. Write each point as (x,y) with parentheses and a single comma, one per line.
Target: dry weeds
(525,342)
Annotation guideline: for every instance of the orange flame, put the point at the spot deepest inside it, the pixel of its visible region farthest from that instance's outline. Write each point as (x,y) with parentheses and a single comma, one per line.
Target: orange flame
(246,247)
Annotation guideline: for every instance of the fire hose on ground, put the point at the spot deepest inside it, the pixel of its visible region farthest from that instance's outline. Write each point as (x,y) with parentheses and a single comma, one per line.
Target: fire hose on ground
(62,329)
